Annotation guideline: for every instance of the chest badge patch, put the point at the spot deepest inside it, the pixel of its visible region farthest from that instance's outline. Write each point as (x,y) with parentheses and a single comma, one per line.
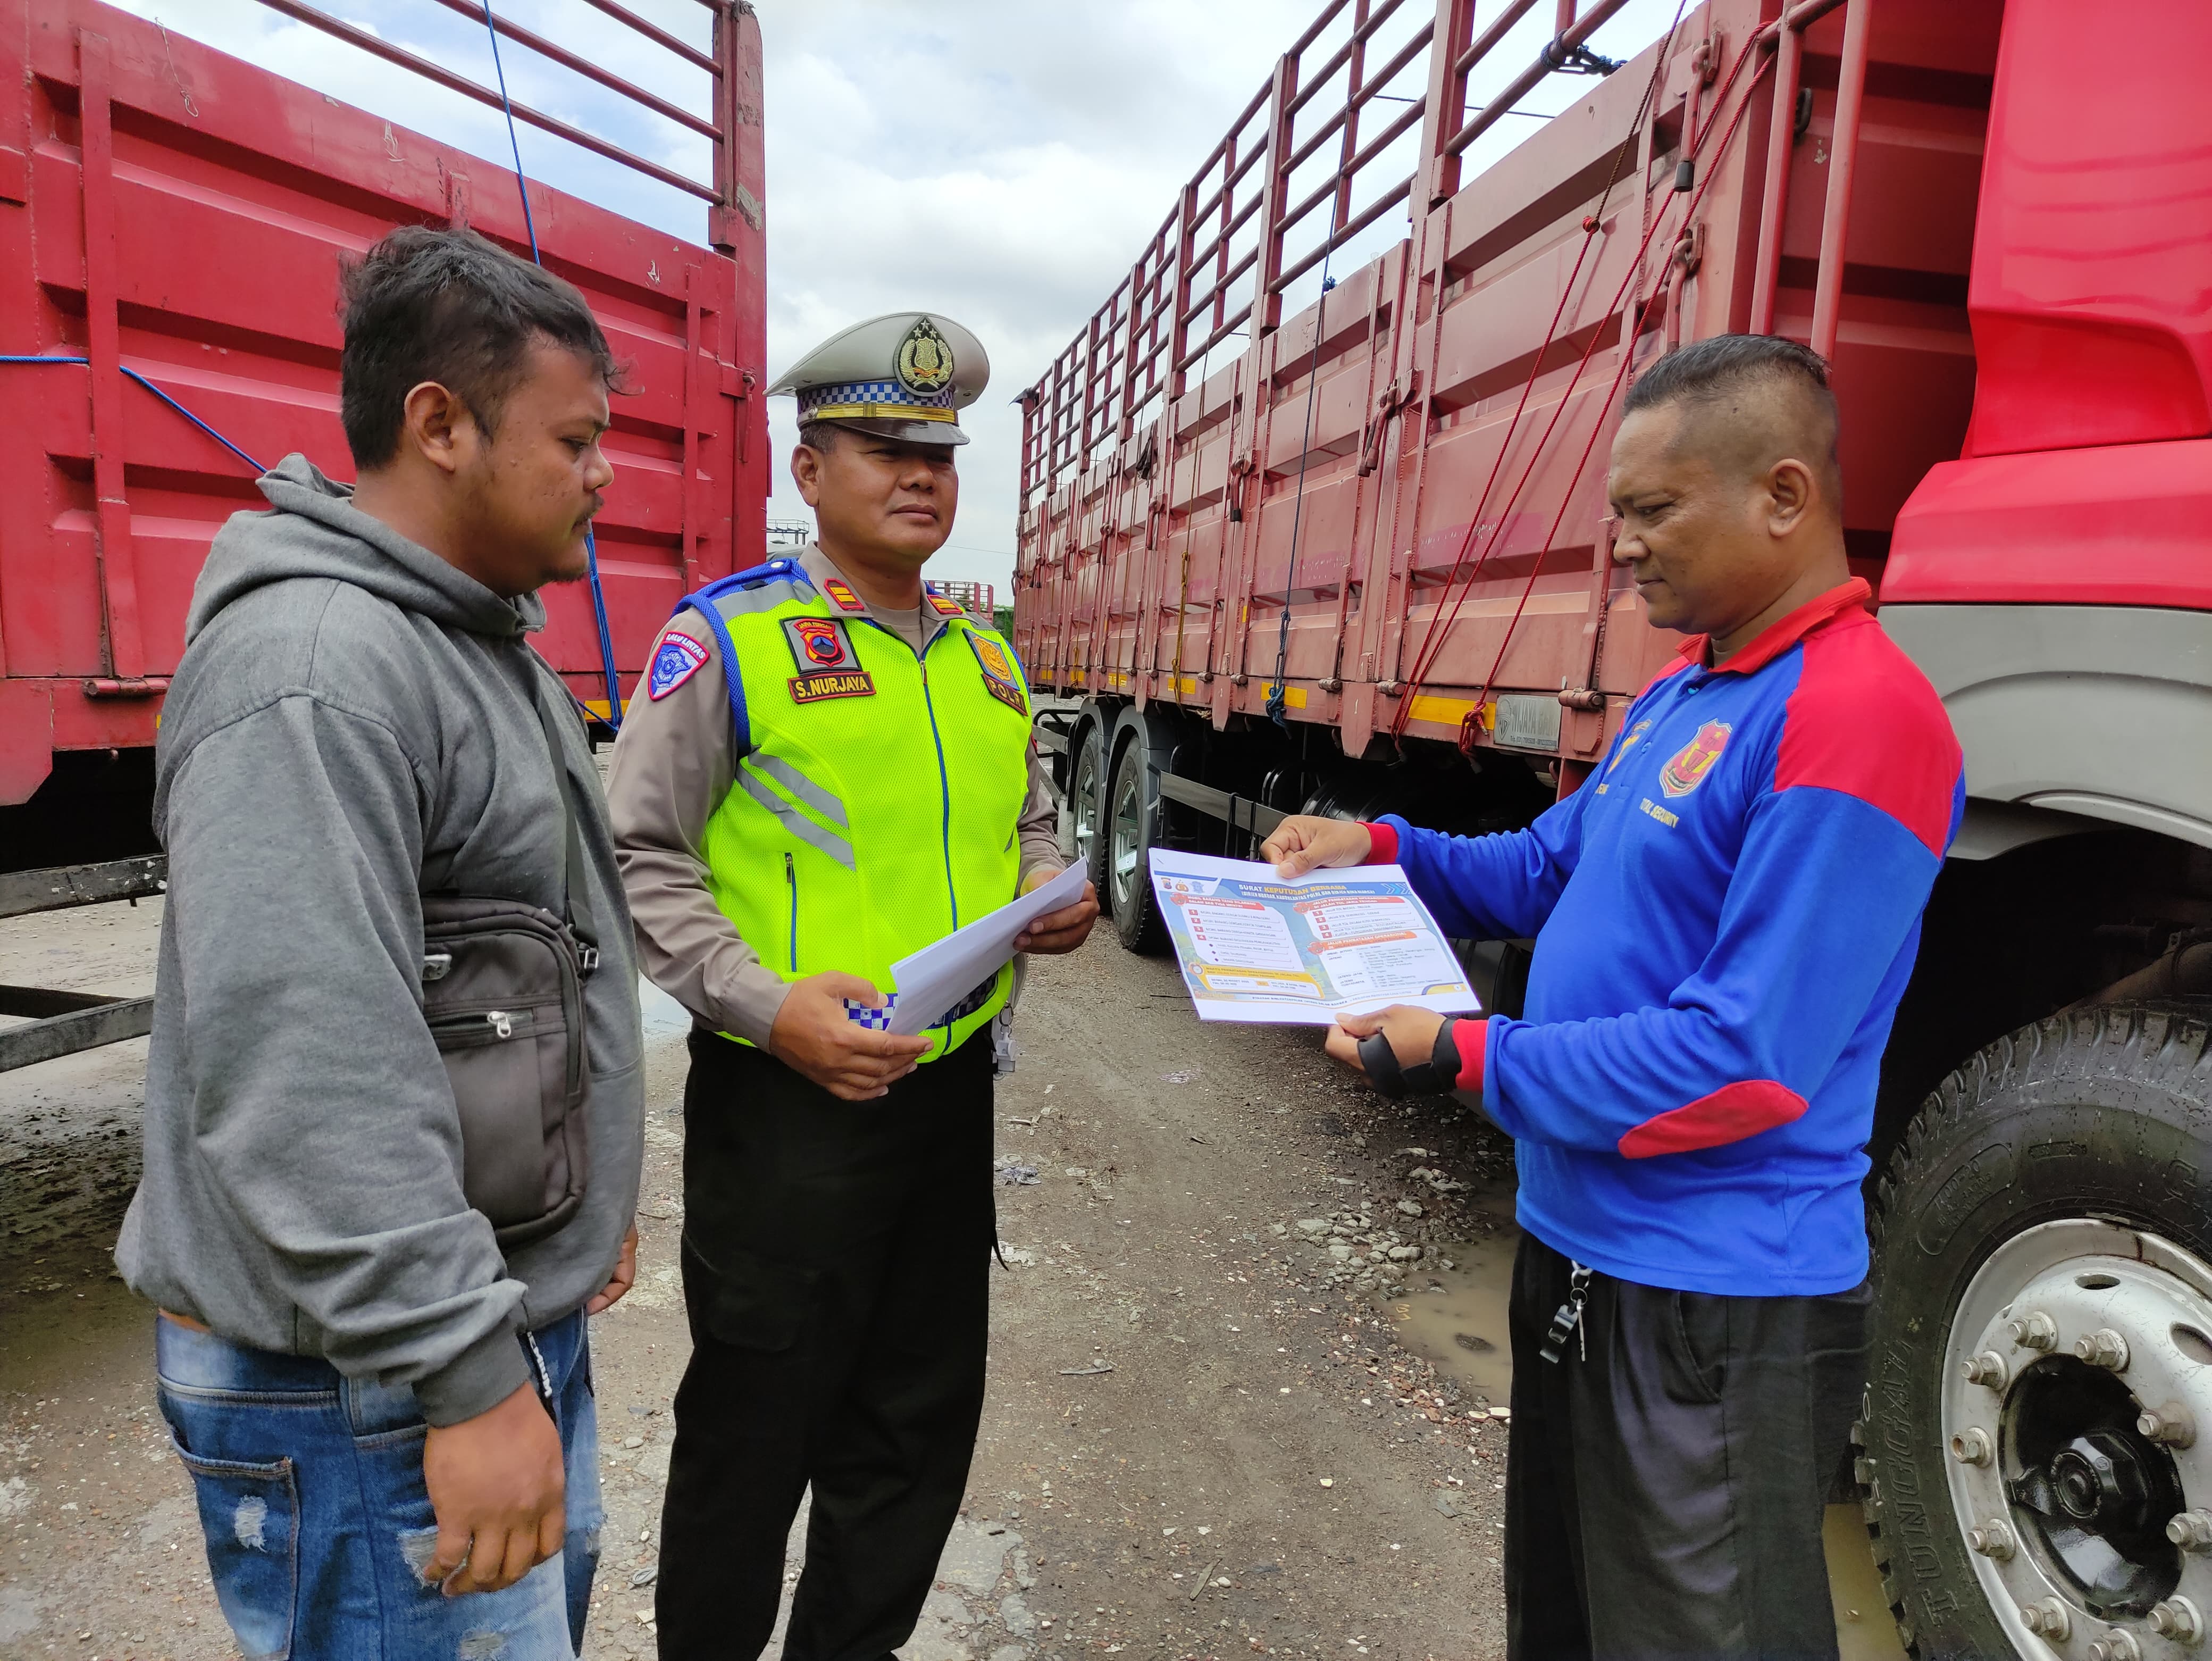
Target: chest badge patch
(674,661)
(827,666)
(841,595)
(1687,768)
(1000,679)
(819,643)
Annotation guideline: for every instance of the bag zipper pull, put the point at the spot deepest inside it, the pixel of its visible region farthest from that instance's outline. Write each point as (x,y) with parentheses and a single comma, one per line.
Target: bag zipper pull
(1570,1316)
(500,1023)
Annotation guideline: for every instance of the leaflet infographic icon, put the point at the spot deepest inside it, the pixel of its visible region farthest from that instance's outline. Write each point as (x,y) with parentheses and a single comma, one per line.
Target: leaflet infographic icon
(1256,948)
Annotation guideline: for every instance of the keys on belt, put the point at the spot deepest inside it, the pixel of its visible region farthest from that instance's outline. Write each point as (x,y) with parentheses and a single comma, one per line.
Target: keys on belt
(1569,1319)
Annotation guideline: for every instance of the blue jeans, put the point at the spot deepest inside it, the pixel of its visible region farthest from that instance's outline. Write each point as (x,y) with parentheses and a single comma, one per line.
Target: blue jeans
(317,1521)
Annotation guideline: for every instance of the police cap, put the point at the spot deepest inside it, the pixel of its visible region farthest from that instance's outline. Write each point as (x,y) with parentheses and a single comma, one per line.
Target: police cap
(904,375)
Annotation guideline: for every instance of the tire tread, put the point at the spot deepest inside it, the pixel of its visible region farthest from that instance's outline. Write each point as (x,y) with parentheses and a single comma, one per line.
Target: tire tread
(2169,1039)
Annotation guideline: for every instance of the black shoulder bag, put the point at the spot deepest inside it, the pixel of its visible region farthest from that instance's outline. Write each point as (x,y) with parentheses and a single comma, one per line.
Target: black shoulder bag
(503,993)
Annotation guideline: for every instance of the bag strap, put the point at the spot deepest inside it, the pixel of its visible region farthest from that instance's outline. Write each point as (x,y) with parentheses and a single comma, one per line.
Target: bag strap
(576,908)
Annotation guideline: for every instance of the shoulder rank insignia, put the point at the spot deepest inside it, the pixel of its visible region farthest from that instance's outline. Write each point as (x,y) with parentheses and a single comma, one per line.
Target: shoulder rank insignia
(841,595)
(942,607)
(1000,678)
(674,661)
(827,666)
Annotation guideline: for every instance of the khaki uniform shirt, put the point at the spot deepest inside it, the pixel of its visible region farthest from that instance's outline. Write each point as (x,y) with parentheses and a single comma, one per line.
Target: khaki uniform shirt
(674,763)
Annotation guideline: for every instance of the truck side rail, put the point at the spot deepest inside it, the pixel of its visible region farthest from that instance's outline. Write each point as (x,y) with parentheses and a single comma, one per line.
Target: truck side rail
(62,1023)
(735,98)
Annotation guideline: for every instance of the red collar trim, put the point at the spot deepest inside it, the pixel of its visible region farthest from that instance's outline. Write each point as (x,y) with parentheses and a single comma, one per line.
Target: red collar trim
(1778,638)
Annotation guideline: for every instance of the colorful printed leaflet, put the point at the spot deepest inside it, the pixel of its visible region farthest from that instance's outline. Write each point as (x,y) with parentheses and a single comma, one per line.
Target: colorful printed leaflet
(1256,948)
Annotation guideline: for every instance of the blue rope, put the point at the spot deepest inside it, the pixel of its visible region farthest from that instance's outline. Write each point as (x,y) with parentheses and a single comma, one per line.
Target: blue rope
(591,541)
(514,140)
(86,362)
(613,717)
(606,636)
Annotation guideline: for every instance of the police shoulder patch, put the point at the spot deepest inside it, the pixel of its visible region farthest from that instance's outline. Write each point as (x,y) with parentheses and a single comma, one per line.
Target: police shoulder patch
(841,595)
(944,607)
(1000,678)
(674,661)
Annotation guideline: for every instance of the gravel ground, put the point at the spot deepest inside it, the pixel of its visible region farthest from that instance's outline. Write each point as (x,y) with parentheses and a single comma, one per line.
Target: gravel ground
(1207,1432)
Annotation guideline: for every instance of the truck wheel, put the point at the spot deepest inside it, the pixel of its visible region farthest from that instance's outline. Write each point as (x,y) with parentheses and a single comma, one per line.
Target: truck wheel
(1132,827)
(1087,804)
(2035,1448)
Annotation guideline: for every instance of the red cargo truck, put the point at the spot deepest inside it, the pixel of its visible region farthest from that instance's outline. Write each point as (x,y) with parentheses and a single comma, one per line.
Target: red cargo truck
(1354,558)
(171,220)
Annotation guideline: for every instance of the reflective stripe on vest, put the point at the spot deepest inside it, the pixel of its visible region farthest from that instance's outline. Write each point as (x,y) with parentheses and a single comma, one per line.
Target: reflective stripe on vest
(878,791)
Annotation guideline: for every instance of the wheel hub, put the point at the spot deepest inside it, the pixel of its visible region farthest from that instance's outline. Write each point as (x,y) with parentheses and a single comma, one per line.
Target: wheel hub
(1087,804)
(2098,1506)
(2070,1343)
(2099,1485)
(1128,844)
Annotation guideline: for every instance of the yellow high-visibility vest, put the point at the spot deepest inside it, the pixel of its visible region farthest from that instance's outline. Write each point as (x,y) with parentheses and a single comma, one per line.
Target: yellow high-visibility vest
(878,789)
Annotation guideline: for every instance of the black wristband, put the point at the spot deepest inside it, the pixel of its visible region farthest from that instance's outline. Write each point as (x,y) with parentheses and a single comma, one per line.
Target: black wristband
(1444,1056)
(1380,1062)
(1433,1077)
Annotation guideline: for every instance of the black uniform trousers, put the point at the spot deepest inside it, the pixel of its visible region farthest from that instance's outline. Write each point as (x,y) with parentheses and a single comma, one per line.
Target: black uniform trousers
(1666,1476)
(835,1269)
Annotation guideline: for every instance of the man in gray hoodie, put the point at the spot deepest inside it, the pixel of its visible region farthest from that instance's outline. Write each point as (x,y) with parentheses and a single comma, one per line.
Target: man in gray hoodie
(380,1408)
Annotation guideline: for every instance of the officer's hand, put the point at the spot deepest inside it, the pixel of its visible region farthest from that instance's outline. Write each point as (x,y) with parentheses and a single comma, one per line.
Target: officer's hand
(1411,1029)
(1057,931)
(498,1493)
(814,1036)
(1305,842)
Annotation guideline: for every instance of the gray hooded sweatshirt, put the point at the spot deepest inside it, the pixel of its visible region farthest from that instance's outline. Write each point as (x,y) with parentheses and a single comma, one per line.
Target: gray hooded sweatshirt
(352,723)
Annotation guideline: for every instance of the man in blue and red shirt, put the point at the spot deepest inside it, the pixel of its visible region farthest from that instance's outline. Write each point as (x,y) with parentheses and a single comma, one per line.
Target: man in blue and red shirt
(1726,915)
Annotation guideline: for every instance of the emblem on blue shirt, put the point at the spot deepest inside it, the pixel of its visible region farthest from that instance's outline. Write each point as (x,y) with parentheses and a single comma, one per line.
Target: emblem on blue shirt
(1635,735)
(674,661)
(1687,768)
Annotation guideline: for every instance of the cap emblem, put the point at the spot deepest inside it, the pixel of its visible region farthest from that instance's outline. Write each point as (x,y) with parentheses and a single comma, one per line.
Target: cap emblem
(925,360)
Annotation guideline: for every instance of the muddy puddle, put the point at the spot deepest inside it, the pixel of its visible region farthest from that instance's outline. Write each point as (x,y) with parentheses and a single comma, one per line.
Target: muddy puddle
(1458,1321)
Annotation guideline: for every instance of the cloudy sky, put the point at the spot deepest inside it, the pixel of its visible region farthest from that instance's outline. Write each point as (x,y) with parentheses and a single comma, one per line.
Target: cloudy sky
(999,161)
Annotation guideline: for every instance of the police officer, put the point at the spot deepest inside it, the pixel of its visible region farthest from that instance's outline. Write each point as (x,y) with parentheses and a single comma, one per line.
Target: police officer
(831,767)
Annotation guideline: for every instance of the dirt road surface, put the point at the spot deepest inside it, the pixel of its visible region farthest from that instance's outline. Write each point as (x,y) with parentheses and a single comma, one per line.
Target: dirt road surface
(1247,1376)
